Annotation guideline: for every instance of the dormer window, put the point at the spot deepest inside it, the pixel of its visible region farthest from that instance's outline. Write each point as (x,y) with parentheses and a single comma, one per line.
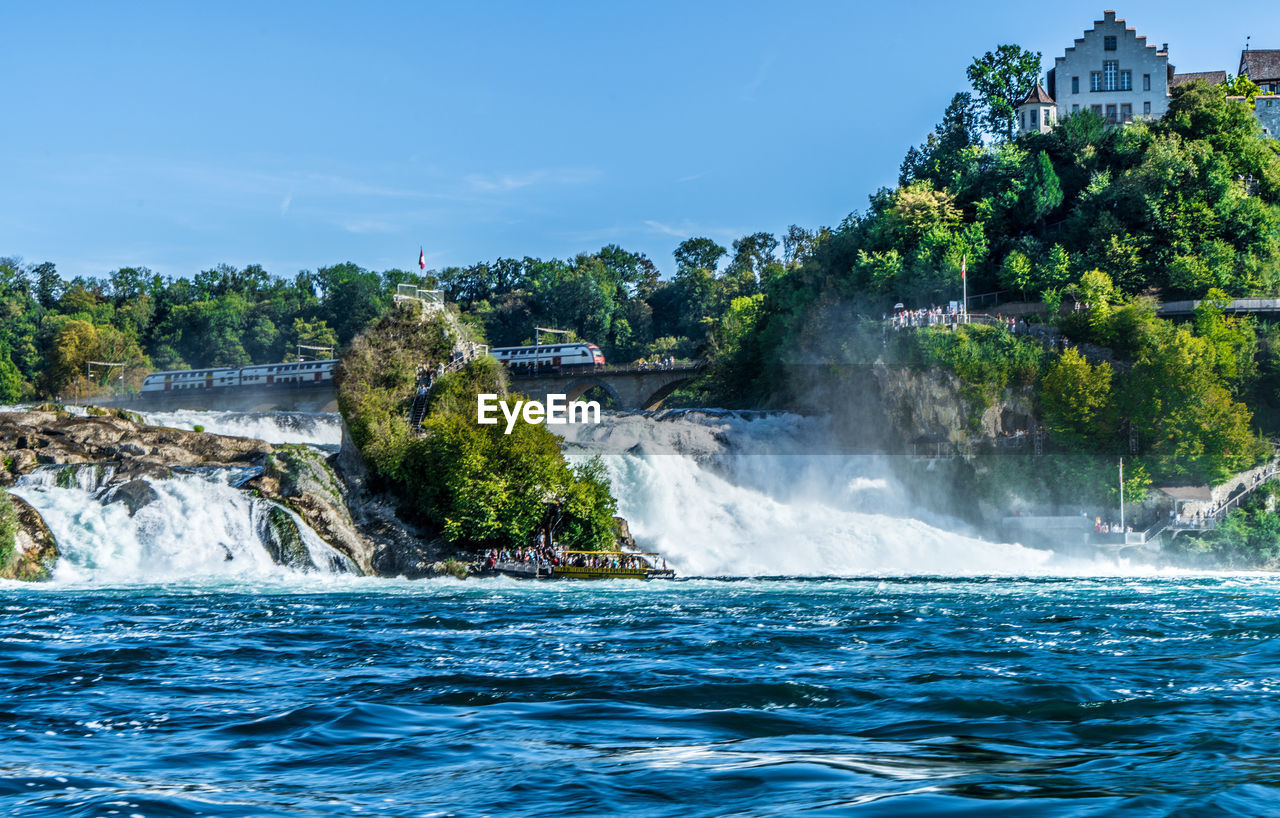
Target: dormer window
(1108,43)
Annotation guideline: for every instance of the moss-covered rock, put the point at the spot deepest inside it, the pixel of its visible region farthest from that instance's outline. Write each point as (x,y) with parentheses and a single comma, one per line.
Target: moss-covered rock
(283,539)
(28,551)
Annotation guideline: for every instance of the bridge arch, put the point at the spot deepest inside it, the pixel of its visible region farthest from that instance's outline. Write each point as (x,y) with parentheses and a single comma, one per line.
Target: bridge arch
(655,399)
(576,389)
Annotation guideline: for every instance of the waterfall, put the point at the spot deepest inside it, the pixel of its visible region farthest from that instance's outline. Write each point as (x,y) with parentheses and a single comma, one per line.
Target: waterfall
(190,525)
(755,494)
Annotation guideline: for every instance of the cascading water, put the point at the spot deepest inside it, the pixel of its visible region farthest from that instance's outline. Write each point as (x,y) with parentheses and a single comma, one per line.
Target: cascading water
(753,494)
(321,429)
(194,525)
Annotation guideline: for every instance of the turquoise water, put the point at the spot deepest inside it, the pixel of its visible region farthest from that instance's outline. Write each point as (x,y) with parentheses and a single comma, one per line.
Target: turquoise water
(1134,696)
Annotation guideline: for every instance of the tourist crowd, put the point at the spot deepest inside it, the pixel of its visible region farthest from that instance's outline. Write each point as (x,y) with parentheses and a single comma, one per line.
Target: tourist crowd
(668,362)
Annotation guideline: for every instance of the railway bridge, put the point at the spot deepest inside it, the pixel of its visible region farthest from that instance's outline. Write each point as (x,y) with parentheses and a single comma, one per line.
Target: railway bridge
(630,386)
(1250,306)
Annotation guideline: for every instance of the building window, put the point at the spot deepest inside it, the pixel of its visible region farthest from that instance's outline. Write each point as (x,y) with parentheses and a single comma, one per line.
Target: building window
(1111,114)
(1126,80)
(1109,43)
(1075,109)
(1146,82)
(1022,120)
(1126,112)
(1095,80)
(1075,85)
(1146,108)
(1033,120)
(1110,75)
(1097,109)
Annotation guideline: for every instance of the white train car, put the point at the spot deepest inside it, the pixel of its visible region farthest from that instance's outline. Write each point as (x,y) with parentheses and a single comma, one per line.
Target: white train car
(181,379)
(298,373)
(549,356)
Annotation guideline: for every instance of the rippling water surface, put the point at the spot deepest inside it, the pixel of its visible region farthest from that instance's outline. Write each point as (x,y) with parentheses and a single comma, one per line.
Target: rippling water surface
(755,697)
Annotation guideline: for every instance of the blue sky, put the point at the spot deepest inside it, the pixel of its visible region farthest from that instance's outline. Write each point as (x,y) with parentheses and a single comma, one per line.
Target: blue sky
(294,135)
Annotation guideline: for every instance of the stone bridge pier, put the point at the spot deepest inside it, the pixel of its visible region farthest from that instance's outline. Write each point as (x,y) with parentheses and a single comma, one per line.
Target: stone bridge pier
(630,387)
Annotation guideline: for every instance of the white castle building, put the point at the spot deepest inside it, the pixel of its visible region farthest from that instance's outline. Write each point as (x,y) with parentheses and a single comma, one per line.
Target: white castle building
(1112,71)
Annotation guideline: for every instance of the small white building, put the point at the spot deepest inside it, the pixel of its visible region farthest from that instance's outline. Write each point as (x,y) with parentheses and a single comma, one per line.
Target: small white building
(1037,112)
(1113,72)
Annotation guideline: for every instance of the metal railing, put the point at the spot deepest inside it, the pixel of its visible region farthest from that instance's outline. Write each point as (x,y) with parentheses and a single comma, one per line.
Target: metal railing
(1252,305)
(604,369)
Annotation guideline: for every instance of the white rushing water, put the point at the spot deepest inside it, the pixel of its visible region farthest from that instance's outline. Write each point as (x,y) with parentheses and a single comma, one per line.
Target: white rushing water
(312,428)
(753,494)
(198,526)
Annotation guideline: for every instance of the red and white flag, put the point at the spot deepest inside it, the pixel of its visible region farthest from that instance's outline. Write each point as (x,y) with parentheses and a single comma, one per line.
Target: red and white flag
(964,262)
(422,259)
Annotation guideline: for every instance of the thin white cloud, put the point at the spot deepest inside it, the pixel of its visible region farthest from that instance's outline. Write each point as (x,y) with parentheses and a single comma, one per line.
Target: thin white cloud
(284,205)
(502,183)
(370,225)
(687,229)
(666,229)
(762,73)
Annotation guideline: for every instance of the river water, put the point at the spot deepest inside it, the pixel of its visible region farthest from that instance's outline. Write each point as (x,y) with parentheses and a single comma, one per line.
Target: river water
(900,666)
(329,696)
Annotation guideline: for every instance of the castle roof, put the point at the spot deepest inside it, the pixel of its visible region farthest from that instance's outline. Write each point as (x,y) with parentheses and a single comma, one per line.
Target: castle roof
(1260,64)
(1211,77)
(1037,96)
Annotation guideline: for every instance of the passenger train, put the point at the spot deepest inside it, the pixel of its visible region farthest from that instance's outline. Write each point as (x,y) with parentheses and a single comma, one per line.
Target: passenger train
(549,356)
(298,373)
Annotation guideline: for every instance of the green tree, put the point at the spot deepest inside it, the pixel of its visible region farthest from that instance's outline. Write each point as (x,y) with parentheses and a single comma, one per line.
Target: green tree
(698,253)
(1076,399)
(12,387)
(945,152)
(1241,86)
(312,333)
(1002,79)
(1044,188)
(73,346)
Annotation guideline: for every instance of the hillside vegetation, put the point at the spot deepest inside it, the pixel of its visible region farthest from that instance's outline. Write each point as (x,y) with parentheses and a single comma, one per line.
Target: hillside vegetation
(475,485)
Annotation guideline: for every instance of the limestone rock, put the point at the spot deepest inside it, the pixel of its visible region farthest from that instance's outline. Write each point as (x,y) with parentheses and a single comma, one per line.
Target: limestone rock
(134,494)
(48,437)
(301,478)
(622,532)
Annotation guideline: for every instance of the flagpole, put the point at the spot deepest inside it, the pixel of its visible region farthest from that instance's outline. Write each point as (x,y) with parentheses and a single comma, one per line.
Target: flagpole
(964,283)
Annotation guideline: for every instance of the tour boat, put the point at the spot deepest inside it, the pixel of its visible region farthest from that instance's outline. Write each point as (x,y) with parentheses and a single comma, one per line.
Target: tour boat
(579,565)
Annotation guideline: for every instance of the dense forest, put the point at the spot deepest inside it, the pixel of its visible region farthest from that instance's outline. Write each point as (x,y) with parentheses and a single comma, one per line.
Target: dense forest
(227,316)
(51,328)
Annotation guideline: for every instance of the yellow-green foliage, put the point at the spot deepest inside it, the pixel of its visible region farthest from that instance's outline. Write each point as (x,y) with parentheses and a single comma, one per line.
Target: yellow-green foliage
(1075,396)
